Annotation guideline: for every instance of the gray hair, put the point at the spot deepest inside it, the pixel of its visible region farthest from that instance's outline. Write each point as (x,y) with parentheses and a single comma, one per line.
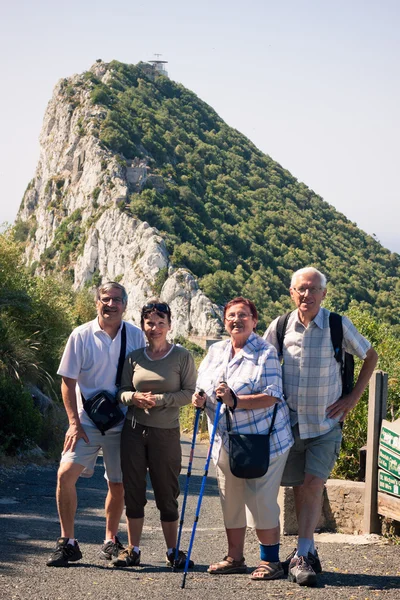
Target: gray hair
(112,285)
(305,270)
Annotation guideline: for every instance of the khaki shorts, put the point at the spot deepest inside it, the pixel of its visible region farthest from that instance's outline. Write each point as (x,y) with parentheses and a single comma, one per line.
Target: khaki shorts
(316,456)
(251,502)
(86,454)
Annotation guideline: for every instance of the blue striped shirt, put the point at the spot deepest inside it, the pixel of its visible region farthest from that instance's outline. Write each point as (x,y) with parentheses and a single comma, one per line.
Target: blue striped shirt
(253,370)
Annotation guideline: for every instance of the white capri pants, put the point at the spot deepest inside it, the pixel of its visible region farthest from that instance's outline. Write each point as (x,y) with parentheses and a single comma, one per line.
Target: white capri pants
(250,502)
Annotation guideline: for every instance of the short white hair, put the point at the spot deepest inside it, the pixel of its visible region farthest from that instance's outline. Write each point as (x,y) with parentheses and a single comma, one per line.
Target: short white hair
(305,270)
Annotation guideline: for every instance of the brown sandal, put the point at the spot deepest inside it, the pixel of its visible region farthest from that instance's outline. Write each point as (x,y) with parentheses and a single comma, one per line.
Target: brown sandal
(228,566)
(267,571)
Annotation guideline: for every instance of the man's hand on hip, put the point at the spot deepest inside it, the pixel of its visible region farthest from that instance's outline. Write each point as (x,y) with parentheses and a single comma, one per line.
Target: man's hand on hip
(74,433)
(341,408)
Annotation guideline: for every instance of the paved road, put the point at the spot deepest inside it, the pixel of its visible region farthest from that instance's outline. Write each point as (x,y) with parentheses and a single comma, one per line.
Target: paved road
(29,527)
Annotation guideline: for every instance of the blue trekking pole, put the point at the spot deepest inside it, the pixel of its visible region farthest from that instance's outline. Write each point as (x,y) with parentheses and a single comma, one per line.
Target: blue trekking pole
(189,472)
(203,483)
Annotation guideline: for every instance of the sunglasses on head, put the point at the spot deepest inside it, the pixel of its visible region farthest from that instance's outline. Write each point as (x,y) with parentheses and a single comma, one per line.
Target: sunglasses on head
(160,306)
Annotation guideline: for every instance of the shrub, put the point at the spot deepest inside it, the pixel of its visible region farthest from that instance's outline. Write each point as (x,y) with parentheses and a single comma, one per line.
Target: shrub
(20,421)
(160,279)
(99,95)
(96,193)
(21,230)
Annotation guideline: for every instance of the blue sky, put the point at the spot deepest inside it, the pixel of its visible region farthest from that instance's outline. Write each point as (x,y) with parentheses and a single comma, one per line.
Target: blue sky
(313,83)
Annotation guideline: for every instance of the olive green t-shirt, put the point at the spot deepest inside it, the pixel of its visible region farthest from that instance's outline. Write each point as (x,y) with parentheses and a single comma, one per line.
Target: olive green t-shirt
(172,379)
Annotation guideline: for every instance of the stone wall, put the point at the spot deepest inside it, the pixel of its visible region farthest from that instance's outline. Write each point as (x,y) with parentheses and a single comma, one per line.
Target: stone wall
(342,508)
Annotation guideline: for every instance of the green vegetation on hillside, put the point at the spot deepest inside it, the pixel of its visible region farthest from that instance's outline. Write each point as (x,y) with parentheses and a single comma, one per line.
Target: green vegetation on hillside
(36,317)
(229,213)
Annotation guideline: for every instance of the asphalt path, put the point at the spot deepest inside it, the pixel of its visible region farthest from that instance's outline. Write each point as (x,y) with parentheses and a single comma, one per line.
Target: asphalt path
(29,528)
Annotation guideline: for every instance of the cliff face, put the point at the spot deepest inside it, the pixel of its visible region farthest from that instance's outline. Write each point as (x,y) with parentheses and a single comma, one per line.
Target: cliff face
(72,214)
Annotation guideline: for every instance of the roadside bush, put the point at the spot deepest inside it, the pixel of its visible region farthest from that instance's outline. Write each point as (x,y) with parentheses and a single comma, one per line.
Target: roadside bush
(20,421)
(387,345)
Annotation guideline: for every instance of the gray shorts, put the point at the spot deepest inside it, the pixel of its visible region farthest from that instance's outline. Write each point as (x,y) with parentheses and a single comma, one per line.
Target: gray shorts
(316,456)
(86,454)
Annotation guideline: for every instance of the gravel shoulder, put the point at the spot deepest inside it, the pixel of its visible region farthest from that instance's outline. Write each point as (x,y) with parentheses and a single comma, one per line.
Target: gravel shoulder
(355,567)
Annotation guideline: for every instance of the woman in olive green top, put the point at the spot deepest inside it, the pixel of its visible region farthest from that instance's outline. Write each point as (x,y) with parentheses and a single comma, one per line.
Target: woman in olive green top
(156,382)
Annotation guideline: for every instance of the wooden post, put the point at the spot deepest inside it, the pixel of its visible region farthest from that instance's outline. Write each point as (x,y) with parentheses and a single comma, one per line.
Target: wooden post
(377,407)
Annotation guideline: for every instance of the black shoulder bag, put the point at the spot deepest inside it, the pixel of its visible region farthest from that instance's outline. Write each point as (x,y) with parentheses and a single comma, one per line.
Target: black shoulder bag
(249,452)
(103,408)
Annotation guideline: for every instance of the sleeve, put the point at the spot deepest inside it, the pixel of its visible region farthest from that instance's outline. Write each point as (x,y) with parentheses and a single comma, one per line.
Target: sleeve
(127,389)
(353,342)
(271,374)
(209,367)
(188,384)
(270,334)
(72,358)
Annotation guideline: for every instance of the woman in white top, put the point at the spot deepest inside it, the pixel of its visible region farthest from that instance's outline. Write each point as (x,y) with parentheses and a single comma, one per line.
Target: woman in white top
(245,373)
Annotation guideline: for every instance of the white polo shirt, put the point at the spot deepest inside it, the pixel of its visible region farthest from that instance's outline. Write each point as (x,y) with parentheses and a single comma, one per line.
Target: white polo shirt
(91,357)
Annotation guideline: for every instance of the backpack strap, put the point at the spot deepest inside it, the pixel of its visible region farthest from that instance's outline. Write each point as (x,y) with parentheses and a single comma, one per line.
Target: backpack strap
(281,330)
(345,359)
(335,325)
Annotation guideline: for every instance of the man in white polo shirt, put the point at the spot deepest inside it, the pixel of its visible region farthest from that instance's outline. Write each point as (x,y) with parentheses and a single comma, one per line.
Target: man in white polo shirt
(89,365)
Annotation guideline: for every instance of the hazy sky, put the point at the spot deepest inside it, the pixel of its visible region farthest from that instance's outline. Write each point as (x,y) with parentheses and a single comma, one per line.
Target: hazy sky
(313,83)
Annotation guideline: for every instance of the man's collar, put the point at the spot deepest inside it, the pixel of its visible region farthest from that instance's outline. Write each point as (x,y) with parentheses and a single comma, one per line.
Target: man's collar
(318,319)
(97,329)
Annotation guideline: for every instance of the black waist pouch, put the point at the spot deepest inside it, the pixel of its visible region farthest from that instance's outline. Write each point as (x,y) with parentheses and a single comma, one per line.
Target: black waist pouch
(103,410)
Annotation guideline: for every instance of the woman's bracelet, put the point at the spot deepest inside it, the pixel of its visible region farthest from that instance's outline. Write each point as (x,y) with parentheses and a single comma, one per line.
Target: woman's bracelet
(235,400)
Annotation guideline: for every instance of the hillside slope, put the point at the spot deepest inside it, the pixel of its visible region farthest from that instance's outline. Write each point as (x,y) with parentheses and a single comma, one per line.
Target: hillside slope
(121,150)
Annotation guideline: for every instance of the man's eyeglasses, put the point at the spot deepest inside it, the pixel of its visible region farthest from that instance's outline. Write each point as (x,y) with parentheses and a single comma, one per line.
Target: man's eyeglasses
(303,290)
(106,300)
(160,306)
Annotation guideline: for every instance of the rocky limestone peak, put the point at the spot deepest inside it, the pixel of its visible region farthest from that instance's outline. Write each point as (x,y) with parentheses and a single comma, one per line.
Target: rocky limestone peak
(74,218)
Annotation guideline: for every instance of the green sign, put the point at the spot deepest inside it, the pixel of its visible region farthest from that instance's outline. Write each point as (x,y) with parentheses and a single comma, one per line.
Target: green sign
(390,435)
(389,484)
(390,461)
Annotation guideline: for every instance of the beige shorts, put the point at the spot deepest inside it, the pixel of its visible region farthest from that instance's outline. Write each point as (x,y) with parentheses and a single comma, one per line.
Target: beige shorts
(250,502)
(86,454)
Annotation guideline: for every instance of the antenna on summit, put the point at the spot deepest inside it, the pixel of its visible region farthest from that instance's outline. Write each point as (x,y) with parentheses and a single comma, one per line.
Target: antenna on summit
(158,65)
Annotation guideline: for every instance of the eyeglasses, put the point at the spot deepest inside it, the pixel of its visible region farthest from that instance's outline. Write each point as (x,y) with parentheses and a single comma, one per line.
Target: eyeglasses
(106,300)
(241,316)
(303,290)
(160,306)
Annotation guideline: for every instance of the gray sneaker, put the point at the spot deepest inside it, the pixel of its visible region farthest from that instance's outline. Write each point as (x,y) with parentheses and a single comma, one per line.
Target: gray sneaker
(301,572)
(127,558)
(111,549)
(313,559)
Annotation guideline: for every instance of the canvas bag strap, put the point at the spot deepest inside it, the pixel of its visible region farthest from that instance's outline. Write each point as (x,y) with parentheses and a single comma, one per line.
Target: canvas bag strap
(121,356)
(228,421)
